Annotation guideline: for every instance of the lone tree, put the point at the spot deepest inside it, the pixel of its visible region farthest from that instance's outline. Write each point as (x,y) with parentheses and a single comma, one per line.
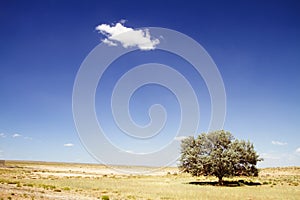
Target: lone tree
(218,154)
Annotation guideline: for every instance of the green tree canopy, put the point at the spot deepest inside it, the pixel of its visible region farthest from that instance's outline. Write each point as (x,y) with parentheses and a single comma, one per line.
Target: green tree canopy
(218,154)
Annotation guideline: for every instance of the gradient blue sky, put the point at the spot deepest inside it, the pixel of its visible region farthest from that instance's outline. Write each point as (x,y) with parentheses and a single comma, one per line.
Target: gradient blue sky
(255,44)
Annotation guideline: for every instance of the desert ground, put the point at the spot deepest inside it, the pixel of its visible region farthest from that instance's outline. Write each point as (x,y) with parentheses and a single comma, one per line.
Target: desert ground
(45,180)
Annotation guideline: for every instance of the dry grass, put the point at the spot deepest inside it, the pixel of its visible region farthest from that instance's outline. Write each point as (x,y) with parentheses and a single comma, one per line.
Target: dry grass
(37,180)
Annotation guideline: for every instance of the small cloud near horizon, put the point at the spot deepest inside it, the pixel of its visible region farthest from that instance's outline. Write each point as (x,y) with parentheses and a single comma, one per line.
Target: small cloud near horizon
(179,138)
(68,145)
(128,37)
(279,143)
(129,151)
(298,150)
(16,135)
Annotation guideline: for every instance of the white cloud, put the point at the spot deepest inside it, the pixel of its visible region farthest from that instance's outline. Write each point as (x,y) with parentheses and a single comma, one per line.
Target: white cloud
(109,42)
(68,145)
(2,135)
(122,21)
(179,138)
(129,151)
(128,37)
(298,150)
(16,135)
(279,143)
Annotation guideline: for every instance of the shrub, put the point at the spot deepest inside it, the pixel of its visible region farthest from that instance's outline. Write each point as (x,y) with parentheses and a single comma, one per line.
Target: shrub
(66,188)
(105,197)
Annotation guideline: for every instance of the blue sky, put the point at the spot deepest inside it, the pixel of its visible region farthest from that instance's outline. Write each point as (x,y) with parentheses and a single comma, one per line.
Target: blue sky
(255,45)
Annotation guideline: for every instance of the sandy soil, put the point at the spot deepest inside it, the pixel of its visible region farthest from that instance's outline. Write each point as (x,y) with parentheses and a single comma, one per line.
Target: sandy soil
(40,170)
(18,193)
(101,170)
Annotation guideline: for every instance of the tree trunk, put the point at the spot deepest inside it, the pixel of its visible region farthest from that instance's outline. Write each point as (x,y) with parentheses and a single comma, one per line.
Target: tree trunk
(220,180)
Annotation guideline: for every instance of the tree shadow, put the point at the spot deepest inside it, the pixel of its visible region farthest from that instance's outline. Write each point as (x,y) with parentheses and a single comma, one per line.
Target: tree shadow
(226,183)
